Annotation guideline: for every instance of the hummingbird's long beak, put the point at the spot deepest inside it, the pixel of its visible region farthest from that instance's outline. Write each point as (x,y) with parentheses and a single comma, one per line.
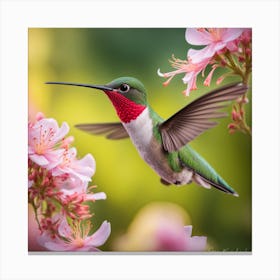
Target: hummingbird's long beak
(80,85)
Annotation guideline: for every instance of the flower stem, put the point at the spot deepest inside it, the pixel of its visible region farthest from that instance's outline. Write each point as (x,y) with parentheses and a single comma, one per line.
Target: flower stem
(243,125)
(233,65)
(36,215)
(245,75)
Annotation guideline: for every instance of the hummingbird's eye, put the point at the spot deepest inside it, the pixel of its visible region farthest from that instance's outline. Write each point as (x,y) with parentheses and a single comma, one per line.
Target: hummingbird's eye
(124,88)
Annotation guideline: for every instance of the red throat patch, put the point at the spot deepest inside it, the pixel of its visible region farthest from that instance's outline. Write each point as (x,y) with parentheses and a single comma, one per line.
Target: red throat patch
(127,110)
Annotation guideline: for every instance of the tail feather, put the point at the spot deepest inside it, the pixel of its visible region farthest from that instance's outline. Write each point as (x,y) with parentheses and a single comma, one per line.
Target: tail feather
(203,170)
(221,185)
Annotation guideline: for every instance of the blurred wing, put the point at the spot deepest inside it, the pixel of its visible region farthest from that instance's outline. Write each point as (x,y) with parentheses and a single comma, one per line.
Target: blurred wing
(113,131)
(193,119)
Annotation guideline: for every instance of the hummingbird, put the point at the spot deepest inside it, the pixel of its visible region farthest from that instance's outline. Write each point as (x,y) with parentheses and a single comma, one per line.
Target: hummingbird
(164,144)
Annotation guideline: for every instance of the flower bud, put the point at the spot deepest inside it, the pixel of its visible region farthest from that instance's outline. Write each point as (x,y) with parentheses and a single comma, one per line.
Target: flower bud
(235,115)
(241,58)
(39,116)
(248,51)
(232,126)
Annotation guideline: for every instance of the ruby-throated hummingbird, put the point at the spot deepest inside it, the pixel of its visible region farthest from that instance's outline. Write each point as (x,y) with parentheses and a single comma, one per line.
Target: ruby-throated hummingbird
(163,144)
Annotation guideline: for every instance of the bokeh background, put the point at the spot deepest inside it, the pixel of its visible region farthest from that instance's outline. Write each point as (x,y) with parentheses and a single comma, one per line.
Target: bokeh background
(99,55)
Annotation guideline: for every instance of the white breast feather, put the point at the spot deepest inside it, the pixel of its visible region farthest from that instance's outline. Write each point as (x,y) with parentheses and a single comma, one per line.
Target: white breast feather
(140,130)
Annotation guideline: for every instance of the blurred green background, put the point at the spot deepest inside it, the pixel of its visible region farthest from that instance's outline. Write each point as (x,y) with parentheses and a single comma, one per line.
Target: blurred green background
(98,56)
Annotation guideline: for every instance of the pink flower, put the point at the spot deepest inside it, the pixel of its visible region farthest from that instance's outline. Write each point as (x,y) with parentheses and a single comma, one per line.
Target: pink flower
(174,237)
(190,69)
(43,137)
(58,186)
(215,40)
(72,173)
(75,237)
(159,226)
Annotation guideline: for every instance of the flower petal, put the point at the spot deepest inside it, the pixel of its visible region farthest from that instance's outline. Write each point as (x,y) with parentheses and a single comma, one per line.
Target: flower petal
(87,165)
(58,245)
(100,236)
(187,77)
(39,159)
(188,230)
(64,228)
(231,34)
(197,37)
(54,157)
(197,243)
(54,244)
(61,132)
(96,196)
(198,56)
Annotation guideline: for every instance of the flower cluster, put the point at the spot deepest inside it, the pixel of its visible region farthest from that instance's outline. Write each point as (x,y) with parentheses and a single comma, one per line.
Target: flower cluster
(58,189)
(227,48)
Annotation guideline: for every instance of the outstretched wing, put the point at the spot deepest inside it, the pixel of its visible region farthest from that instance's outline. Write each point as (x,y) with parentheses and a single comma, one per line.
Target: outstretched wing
(113,131)
(193,119)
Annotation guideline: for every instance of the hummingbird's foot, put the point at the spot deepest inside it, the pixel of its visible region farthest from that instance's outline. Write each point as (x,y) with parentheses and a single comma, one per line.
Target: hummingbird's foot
(164,182)
(177,183)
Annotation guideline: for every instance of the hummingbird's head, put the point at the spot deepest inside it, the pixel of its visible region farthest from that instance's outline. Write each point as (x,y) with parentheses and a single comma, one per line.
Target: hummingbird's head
(127,94)
(130,88)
